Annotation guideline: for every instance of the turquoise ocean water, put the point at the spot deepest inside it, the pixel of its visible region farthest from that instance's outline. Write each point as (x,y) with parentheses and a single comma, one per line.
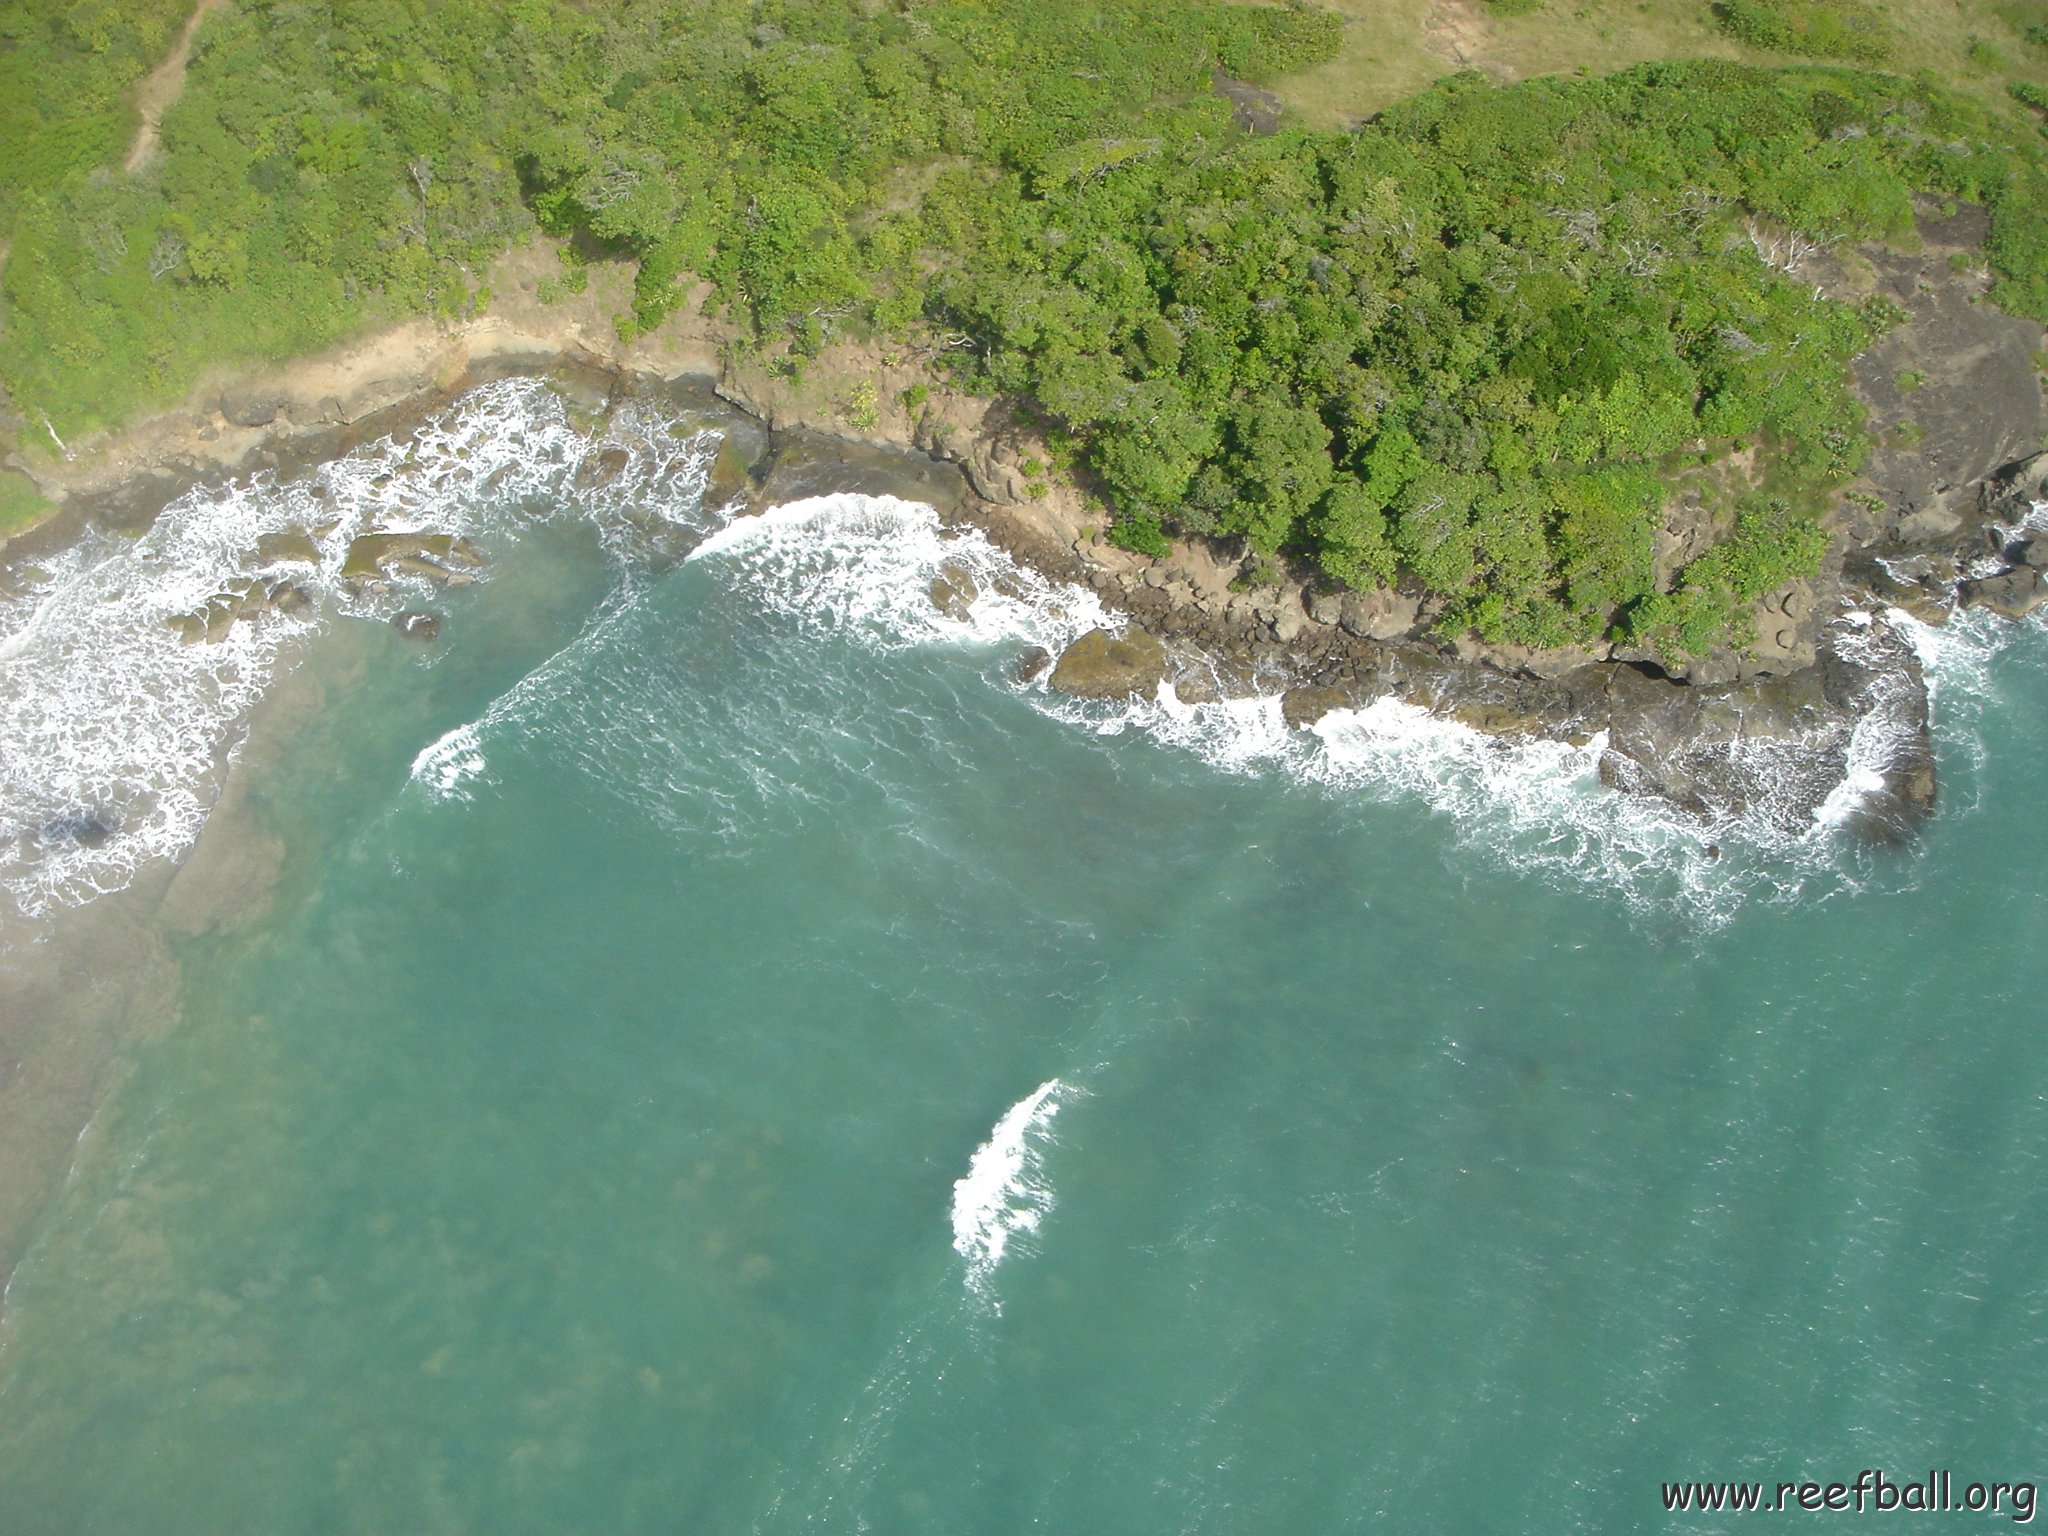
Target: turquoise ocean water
(719,1057)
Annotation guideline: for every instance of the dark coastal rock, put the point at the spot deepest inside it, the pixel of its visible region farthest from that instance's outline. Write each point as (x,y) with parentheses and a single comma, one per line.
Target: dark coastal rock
(1769,745)
(1383,614)
(443,558)
(1031,664)
(953,591)
(1881,682)
(288,598)
(603,468)
(1953,396)
(211,621)
(1776,747)
(2008,495)
(2014,593)
(252,409)
(1101,665)
(587,388)
(133,505)
(1919,584)
(1303,707)
(290,546)
(1290,619)
(417,624)
(800,463)
(732,468)
(244,602)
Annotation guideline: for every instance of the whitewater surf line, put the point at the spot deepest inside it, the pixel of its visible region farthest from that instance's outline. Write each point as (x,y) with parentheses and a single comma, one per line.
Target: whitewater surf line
(118,728)
(118,731)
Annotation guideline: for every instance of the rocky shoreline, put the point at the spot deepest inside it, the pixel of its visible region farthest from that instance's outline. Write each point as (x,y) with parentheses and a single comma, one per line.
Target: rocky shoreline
(1940,521)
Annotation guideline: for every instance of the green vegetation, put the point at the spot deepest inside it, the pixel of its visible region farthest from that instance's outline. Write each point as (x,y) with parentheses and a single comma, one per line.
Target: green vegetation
(1822,29)
(1475,342)
(861,411)
(20,503)
(1988,56)
(329,164)
(1772,543)
(68,71)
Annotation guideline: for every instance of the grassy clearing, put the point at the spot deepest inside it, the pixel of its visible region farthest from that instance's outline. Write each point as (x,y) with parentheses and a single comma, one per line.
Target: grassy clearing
(1394,48)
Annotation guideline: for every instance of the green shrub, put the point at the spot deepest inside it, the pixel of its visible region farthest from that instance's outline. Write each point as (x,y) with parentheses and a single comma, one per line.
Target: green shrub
(1824,29)
(1987,56)
(20,503)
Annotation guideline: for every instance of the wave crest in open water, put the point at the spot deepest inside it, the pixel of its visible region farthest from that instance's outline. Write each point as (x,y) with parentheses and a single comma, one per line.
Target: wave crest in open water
(1005,1194)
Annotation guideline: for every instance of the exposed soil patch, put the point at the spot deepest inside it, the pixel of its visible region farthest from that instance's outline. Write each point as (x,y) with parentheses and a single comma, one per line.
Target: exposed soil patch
(1457,33)
(1254,110)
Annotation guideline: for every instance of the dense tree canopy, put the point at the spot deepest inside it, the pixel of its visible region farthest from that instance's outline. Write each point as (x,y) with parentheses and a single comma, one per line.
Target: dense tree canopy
(1474,340)
(1471,344)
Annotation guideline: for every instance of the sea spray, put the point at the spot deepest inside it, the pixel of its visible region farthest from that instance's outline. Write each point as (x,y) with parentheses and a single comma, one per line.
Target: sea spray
(117,730)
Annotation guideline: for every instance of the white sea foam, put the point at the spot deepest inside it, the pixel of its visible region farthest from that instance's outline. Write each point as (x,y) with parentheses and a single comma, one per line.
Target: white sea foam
(1961,661)
(1005,1193)
(116,732)
(447,765)
(864,565)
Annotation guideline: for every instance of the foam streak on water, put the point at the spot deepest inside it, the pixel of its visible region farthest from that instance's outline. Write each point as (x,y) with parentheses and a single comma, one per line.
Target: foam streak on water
(116,731)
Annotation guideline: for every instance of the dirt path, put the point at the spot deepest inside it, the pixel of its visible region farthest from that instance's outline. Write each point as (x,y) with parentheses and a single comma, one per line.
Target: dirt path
(160,87)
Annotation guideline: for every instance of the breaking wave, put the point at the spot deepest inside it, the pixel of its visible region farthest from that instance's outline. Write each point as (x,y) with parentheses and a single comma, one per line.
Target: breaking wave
(865,567)
(129,667)
(118,730)
(1005,1194)
(446,765)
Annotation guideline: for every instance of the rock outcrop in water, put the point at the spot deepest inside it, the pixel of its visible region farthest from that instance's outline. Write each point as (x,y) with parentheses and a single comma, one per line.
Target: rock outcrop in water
(417,624)
(244,603)
(953,591)
(1102,665)
(445,559)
